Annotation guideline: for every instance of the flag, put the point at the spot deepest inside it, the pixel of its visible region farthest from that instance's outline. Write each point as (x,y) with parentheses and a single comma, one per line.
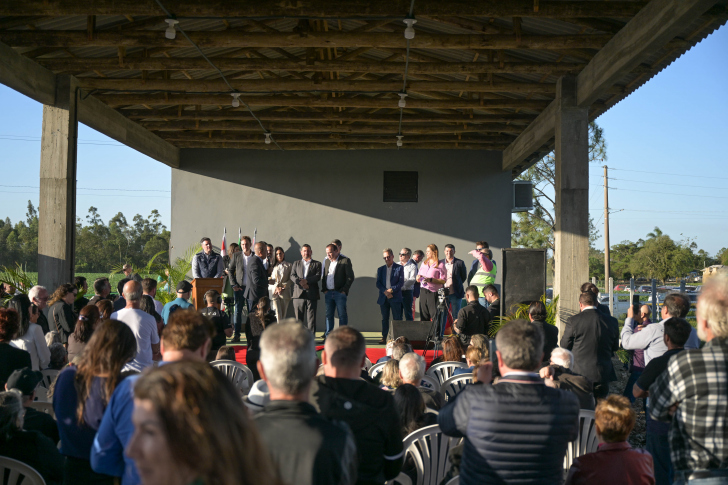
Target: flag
(254,233)
(223,246)
(240,237)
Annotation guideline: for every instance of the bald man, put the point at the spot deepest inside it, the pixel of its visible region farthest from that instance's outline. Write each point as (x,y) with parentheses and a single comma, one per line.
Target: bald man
(142,325)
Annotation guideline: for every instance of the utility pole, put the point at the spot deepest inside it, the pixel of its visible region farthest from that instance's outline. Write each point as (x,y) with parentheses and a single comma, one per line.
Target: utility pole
(607,272)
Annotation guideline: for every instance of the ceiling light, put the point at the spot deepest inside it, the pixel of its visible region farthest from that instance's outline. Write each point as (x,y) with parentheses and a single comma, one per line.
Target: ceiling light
(409,32)
(236,99)
(399,140)
(171,32)
(267,138)
(402,103)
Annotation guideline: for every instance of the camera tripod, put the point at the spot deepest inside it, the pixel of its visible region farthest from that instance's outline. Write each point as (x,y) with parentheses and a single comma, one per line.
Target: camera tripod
(433,336)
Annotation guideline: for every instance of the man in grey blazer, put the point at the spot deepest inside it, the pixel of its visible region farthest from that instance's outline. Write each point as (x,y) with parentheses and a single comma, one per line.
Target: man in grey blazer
(305,275)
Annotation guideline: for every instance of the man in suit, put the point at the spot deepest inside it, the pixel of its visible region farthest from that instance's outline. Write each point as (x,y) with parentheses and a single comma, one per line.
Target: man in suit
(305,275)
(456,275)
(601,308)
(390,279)
(592,337)
(256,277)
(236,269)
(335,285)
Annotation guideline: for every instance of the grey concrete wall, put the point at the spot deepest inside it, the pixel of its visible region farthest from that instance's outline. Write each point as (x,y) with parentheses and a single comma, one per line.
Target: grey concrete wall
(312,197)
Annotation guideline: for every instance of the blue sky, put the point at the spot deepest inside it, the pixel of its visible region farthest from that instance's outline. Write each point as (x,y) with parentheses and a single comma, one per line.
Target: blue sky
(666,145)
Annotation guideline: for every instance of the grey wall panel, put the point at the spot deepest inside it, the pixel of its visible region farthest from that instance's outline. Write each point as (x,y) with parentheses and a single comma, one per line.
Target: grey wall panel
(299,197)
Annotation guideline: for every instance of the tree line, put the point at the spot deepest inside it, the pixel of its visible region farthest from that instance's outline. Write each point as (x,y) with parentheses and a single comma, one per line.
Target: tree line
(100,246)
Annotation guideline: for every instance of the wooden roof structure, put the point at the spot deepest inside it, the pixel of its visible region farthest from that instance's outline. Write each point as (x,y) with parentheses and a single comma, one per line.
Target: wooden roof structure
(328,74)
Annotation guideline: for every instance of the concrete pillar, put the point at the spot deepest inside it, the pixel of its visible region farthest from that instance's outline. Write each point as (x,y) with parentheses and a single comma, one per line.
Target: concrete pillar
(572,199)
(57,208)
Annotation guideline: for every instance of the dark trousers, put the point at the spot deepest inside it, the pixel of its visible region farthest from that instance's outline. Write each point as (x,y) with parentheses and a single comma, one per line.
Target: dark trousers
(408,305)
(78,470)
(601,390)
(252,355)
(633,376)
(238,317)
(428,304)
(396,308)
(305,311)
(658,445)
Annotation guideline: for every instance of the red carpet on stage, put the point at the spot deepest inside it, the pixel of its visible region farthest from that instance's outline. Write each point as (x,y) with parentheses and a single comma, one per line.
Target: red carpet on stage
(374,354)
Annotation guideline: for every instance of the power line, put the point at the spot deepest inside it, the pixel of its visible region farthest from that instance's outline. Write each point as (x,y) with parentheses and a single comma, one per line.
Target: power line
(665,173)
(669,193)
(90,188)
(36,139)
(98,195)
(663,183)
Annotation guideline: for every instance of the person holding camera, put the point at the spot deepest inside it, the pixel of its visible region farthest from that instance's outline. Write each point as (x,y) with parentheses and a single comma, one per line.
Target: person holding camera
(431,277)
(473,318)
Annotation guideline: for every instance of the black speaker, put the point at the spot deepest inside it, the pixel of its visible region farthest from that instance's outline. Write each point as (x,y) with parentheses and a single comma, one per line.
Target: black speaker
(415,331)
(524,277)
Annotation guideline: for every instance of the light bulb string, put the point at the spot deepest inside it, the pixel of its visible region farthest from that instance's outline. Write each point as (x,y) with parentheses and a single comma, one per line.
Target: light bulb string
(167,12)
(406,67)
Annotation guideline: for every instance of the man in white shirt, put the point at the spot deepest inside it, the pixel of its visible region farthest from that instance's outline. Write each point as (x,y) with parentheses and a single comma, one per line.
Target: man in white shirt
(141,324)
(410,275)
(306,274)
(339,276)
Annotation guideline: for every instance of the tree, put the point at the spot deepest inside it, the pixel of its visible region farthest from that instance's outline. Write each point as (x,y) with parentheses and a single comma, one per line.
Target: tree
(536,229)
(661,258)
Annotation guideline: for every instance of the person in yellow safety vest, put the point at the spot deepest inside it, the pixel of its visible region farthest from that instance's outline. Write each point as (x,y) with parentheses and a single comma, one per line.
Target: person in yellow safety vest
(486,272)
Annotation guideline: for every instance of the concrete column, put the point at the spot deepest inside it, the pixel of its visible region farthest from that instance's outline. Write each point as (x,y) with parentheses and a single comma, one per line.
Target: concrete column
(572,199)
(57,208)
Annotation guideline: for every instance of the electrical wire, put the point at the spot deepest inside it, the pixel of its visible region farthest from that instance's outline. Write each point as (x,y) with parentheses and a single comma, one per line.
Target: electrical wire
(668,193)
(663,183)
(99,195)
(91,188)
(406,68)
(232,90)
(29,138)
(664,173)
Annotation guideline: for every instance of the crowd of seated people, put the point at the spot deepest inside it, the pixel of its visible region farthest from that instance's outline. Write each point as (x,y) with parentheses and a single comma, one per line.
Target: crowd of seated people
(180,421)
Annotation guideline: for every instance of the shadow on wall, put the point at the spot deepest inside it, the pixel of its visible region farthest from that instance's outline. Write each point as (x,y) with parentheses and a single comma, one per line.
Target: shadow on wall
(450,182)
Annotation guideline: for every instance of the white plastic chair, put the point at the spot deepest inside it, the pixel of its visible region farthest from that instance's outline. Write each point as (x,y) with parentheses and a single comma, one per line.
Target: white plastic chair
(367,364)
(240,375)
(429,448)
(376,369)
(49,375)
(44,407)
(451,387)
(443,371)
(430,383)
(454,481)
(19,472)
(586,441)
(41,394)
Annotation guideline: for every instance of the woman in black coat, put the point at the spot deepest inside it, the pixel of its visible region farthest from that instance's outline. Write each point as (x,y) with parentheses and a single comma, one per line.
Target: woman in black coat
(61,314)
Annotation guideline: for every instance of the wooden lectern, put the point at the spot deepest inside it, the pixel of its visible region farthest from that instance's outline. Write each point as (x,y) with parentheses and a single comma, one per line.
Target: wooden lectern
(200,286)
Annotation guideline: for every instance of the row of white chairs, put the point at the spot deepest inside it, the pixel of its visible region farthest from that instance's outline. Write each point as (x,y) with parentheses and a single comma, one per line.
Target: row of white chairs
(441,371)
(438,378)
(429,449)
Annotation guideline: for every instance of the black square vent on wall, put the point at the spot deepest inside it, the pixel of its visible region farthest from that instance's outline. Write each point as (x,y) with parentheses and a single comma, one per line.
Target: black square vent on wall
(400,186)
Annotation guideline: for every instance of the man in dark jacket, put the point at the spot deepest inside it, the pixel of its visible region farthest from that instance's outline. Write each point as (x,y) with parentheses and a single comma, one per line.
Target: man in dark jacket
(558,374)
(603,309)
(337,278)
(593,337)
(305,275)
(207,263)
(256,284)
(306,447)
(341,394)
(515,431)
(26,380)
(237,268)
(472,319)
(456,277)
(10,357)
(490,293)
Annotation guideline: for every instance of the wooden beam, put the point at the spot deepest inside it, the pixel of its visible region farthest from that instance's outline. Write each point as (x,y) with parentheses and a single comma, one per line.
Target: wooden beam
(651,29)
(349,145)
(241,114)
(117,100)
(225,63)
(27,77)
(325,8)
(254,127)
(255,85)
(332,138)
(531,139)
(229,39)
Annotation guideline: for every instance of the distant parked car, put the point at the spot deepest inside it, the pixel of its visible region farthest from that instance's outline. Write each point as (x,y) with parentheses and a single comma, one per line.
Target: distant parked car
(644,289)
(621,288)
(660,298)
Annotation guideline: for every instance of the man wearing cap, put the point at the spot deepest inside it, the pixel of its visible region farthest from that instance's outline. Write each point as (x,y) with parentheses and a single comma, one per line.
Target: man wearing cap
(187,337)
(184,291)
(26,380)
(207,263)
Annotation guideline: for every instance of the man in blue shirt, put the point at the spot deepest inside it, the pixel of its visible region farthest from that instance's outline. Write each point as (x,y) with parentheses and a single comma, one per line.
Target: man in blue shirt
(184,291)
(188,336)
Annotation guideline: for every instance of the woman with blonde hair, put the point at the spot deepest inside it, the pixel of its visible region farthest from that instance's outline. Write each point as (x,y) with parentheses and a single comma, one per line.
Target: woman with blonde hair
(82,393)
(204,438)
(390,379)
(432,277)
